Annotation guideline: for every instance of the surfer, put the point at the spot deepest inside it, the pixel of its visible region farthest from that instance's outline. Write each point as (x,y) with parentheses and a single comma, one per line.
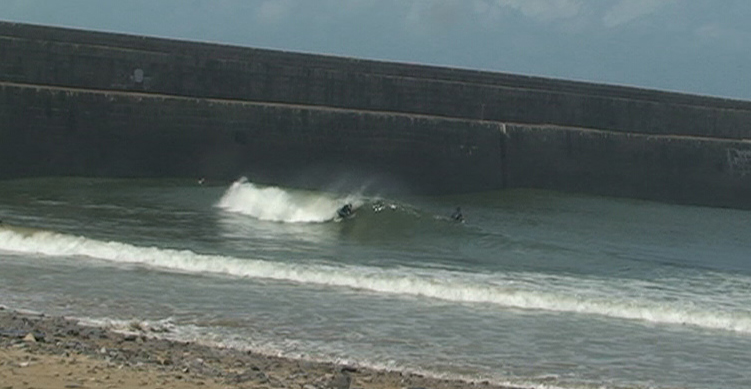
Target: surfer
(457,215)
(345,211)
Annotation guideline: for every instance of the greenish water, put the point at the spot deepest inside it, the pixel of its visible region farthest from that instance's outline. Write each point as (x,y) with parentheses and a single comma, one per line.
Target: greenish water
(534,289)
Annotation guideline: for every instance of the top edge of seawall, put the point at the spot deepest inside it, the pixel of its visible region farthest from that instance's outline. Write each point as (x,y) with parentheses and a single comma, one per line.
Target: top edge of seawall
(225,51)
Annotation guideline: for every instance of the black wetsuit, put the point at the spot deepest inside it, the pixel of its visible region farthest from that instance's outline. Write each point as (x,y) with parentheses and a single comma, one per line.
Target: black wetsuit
(345,211)
(457,215)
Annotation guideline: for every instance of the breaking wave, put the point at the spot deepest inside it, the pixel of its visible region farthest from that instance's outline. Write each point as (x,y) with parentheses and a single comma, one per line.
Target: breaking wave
(623,299)
(281,205)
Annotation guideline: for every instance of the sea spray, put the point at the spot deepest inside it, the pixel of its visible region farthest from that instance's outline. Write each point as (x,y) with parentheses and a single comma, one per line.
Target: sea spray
(281,205)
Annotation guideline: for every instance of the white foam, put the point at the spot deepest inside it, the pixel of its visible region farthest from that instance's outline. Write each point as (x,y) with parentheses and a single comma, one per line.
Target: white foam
(279,205)
(135,326)
(613,298)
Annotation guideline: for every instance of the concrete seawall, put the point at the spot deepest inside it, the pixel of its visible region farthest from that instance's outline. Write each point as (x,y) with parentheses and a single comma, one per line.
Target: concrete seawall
(87,103)
(64,131)
(62,57)
(668,168)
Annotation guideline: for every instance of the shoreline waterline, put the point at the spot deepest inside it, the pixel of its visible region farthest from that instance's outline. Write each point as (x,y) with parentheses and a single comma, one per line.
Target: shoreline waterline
(82,355)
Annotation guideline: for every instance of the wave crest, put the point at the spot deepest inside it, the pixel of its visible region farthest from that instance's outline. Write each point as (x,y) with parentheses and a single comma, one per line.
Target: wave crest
(280,205)
(511,290)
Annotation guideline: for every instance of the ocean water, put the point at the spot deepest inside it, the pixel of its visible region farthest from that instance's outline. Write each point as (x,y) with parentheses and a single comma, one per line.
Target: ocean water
(535,289)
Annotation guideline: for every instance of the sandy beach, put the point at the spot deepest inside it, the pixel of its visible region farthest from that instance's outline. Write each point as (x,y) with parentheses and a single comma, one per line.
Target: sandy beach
(39,351)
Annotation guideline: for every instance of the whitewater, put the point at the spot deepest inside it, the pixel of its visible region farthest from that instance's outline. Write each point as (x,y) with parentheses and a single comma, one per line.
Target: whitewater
(535,289)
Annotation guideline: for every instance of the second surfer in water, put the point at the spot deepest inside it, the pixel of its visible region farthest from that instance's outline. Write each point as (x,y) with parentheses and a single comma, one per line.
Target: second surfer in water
(457,215)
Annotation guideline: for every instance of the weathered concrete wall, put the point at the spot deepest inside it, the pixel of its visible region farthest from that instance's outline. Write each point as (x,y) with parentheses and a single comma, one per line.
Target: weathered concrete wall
(84,103)
(61,131)
(677,169)
(53,56)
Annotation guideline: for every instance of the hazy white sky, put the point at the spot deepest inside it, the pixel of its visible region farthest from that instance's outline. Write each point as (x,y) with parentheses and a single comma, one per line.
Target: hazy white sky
(695,46)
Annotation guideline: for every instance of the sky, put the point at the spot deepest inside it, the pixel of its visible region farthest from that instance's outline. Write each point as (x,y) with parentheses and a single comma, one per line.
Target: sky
(692,46)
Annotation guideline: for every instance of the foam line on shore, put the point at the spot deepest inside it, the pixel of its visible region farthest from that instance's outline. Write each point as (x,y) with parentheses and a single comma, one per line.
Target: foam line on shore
(167,330)
(148,345)
(528,291)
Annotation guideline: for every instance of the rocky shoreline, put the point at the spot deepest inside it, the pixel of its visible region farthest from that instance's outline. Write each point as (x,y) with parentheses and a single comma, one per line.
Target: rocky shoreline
(68,354)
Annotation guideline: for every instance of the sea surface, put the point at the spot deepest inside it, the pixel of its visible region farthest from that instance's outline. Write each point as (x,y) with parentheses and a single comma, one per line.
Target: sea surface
(534,289)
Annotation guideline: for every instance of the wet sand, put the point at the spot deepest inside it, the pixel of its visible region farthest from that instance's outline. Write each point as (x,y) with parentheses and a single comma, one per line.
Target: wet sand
(39,351)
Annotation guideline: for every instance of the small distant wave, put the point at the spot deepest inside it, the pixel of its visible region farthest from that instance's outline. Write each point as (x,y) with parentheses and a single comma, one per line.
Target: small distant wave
(528,291)
(281,205)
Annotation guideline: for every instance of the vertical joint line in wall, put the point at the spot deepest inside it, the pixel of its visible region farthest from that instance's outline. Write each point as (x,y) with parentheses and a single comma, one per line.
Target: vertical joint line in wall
(504,169)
